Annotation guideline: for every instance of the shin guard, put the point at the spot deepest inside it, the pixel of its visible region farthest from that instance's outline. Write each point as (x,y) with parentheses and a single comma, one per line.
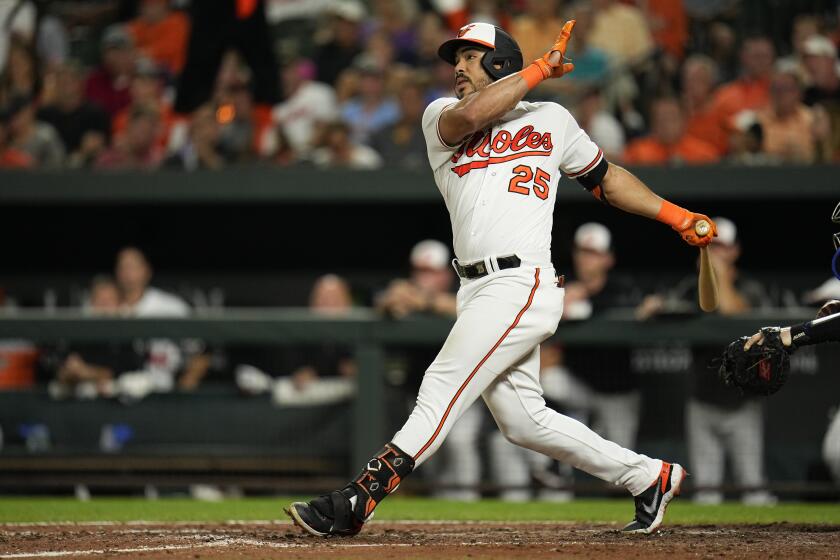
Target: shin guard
(381,476)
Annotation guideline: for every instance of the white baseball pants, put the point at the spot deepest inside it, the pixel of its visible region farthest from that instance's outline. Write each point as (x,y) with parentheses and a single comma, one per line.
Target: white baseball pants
(493,352)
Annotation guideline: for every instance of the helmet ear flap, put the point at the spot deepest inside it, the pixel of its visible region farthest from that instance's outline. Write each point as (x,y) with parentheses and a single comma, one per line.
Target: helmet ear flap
(506,65)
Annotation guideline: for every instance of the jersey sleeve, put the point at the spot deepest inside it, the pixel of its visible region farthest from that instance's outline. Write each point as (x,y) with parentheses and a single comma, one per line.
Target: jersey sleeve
(580,154)
(439,151)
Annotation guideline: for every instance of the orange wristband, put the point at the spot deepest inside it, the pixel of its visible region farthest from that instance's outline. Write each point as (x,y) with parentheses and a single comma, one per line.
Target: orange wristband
(532,74)
(672,214)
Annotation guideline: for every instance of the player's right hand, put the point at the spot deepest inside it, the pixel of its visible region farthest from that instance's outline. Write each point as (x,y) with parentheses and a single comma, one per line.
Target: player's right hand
(829,308)
(553,63)
(686,230)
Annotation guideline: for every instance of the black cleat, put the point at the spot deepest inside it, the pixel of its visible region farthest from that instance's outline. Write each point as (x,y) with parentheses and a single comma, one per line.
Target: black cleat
(652,503)
(330,515)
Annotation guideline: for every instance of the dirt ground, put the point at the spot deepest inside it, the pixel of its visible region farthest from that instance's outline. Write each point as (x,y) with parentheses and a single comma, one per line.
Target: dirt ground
(407,541)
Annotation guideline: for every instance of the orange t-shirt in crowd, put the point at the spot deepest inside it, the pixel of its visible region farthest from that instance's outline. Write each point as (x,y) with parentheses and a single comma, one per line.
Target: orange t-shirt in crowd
(671,31)
(165,41)
(740,95)
(650,151)
(167,120)
(708,125)
(12,158)
(792,138)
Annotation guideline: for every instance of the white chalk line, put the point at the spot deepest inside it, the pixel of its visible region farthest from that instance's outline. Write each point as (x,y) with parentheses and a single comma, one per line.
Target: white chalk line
(234,522)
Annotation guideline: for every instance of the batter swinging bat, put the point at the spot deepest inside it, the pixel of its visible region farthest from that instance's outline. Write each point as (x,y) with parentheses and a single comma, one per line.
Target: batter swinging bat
(707,281)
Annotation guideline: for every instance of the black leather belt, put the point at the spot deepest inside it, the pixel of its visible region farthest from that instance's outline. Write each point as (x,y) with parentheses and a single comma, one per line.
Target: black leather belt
(478,269)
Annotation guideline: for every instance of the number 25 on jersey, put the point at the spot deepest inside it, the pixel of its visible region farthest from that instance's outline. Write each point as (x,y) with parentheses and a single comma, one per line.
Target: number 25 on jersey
(523,174)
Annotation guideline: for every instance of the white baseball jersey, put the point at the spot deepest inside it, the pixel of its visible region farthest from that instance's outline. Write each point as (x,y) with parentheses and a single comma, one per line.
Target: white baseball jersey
(500,184)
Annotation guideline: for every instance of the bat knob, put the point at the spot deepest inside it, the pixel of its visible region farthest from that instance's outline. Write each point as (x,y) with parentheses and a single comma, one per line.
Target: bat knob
(702,228)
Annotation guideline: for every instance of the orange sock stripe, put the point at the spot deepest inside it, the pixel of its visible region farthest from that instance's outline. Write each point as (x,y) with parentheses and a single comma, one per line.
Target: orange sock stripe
(481,363)
(671,214)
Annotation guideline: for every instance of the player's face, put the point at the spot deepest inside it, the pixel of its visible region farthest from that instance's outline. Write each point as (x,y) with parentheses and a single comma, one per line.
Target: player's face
(469,74)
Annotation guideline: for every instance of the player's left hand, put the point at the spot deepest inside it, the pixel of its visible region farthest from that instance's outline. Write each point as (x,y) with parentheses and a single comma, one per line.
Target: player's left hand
(690,235)
(553,63)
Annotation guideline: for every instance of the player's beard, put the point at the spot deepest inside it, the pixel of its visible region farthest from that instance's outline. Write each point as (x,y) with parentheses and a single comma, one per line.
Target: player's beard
(476,84)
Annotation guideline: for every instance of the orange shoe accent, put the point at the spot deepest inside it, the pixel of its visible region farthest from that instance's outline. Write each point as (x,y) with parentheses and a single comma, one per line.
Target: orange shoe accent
(481,363)
(664,475)
(369,507)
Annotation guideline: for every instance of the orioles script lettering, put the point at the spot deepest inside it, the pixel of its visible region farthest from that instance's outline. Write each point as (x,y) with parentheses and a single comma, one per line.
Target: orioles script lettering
(482,145)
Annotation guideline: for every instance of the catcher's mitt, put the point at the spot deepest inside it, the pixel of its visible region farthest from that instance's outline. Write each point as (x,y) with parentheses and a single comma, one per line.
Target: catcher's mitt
(761,370)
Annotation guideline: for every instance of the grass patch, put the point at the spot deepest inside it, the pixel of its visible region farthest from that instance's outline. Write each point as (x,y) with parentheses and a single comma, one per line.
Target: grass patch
(38,509)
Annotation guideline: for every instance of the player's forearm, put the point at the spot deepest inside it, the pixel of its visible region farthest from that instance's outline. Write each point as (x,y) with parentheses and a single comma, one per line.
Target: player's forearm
(477,110)
(824,329)
(625,191)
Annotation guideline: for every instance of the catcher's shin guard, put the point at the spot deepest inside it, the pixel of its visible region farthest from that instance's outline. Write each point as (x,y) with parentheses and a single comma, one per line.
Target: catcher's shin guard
(343,513)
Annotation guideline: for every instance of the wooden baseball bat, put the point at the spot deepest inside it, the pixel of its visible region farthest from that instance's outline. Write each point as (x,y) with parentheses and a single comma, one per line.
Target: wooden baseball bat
(707,281)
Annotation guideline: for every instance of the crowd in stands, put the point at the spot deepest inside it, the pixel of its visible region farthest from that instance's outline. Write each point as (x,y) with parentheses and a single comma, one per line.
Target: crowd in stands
(180,84)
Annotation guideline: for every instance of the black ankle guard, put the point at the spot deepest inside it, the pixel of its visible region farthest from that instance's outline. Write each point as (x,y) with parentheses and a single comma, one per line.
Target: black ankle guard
(381,476)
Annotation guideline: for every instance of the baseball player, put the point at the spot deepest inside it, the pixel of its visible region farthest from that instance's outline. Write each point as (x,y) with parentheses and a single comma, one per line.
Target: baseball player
(497,161)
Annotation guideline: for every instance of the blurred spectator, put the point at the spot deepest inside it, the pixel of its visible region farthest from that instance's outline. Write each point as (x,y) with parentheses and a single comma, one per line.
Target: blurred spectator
(309,375)
(430,34)
(396,20)
(17,19)
(458,13)
(668,24)
(612,392)
(621,31)
(537,28)
(21,76)
(820,59)
(83,127)
(668,142)
(307,103)
(337,149)
(792,131)
(243,126)
(821,63)
(109,85)
(723,49)
(88,371)
(699,76)
(202,151)
(831,447)
(804,27)
(137,148)
(427,290)
(379,50)
(146,93)
(341,43)
(11,157)
(139,299)
(603,128)
(752,89)
(33,137)
(372,110)
(746,142)
(403,144)
(161,34)
(591,63)
(216,28)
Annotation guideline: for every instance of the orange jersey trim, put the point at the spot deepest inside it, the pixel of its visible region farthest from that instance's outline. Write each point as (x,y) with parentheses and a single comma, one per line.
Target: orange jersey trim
(481,363)
(586,169)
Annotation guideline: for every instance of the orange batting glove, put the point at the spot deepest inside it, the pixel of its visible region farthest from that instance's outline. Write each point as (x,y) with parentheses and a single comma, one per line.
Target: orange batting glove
(550,65)
(683,222)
